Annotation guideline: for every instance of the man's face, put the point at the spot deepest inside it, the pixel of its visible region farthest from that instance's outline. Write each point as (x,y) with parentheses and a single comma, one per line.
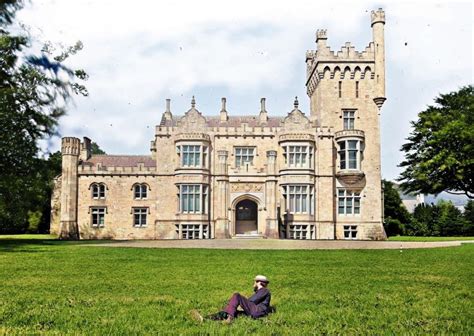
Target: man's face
(255,284)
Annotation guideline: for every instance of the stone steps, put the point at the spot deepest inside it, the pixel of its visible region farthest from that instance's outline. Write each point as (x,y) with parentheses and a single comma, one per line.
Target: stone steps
(248,236)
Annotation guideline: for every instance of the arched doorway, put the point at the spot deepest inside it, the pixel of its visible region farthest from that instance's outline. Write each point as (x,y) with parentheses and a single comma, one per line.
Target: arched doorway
(246,217)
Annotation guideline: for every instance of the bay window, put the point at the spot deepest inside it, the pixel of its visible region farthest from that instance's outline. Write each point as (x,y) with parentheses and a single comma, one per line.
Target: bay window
(298,156)
(299,198)
(192,155)
(350,152)
(193,198)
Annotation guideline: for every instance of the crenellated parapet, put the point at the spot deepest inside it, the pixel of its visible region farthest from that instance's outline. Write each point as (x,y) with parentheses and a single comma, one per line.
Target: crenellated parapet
(325,132)
(377,16)
(347,63)
(70,146)
(139,170)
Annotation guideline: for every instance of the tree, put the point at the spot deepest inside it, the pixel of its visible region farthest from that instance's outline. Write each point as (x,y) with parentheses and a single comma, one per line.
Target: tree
(439,154)
(95,149)
(423,218)
(396,215)
(468,229)
(450,221)
(34,93)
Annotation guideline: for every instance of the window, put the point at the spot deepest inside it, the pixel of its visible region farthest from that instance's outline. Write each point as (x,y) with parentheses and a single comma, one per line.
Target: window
(98,217)
(299,198)
(140,191)
(340,89)
(298,156)
(140,217)
(192,231)
(348,202)
(298,231)
(350,231)
(192,155)
(193,198)
(244,155)
(349,117)
(98,190)
(349,154)
(357,89)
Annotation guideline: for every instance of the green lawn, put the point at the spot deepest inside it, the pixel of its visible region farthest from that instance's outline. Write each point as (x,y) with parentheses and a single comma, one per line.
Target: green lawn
(427,239)
(54,287)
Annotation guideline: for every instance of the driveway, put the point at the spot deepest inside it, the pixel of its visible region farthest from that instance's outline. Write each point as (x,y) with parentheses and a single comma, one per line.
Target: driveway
(275,244)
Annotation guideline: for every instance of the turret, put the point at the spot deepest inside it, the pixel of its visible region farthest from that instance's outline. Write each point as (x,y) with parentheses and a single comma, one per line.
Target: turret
(378,23)
(321,39)
(70,150)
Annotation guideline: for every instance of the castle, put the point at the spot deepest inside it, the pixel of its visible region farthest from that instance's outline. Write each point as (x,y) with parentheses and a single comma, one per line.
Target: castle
(313,176)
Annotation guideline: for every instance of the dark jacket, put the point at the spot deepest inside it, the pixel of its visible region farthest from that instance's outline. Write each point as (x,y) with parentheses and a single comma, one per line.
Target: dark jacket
(262,299)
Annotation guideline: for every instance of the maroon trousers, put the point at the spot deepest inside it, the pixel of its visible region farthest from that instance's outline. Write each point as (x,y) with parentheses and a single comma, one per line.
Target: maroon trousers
(249,307)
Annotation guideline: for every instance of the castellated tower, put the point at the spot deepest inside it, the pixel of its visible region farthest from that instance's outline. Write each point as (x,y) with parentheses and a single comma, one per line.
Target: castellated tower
(70,150)
(346,91)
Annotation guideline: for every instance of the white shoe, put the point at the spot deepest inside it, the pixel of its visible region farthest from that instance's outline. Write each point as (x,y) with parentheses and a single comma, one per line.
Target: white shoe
(196,316)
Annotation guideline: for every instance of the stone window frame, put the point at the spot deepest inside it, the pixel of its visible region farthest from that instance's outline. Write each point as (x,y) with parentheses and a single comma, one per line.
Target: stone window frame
(299,206)
(140,213)
(350,157)
(350,232)
(348,202)
(249,157)
(307,155)
(299,231)
(200,194)
(98,190)
(142,193)
(346,120)
(199,152)
(192,231)
(100,212)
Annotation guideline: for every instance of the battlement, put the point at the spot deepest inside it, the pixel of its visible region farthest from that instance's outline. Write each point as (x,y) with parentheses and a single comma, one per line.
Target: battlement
(70,146)
(98,169)
(377,16)
(321,34)
(347,63)
(346,53)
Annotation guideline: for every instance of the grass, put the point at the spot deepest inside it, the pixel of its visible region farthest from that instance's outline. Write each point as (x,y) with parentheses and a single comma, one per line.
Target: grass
(28,236)
(63,288)
(427,239)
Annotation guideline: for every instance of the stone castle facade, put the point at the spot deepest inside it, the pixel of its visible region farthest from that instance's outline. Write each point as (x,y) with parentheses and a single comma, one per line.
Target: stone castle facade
(313,176)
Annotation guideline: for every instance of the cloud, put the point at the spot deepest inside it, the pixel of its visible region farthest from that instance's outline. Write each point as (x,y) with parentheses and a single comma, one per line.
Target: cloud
(139,53)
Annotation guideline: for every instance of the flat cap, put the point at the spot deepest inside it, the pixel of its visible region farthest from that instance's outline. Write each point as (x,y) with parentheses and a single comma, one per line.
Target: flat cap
(261,278)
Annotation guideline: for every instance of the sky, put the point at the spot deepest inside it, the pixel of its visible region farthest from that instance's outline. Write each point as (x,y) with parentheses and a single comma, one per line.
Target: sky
(139,53)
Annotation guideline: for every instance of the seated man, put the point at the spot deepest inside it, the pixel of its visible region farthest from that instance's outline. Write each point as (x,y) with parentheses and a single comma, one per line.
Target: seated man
(256,306)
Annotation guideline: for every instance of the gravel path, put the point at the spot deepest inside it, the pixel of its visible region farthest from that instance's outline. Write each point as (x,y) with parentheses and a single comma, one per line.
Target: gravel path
(275,244)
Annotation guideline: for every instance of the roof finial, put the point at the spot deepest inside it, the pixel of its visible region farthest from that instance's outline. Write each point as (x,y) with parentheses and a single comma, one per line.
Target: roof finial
(296,102)
(193,102)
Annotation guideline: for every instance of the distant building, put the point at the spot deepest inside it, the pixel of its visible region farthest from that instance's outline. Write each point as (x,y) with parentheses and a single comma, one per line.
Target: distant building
(411,201)
(225,176)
